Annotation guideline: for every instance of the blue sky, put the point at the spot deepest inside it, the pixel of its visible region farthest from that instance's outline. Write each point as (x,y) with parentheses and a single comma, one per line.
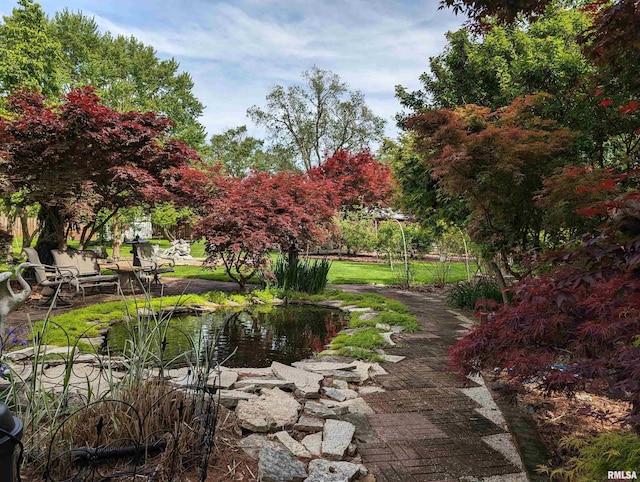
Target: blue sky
(237,50)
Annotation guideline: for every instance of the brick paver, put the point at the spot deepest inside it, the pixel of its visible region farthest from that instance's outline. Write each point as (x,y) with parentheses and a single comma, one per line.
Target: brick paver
(425,428)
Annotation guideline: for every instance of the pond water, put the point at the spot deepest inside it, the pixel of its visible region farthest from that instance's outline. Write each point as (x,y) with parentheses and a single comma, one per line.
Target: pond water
(259,335)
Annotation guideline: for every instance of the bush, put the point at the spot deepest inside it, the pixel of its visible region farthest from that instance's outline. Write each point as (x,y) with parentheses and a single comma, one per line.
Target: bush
(466,294)
(306,276)
(607,451)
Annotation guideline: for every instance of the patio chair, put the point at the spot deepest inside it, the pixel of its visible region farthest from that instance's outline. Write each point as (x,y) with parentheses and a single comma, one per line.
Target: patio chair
(50,278)
(86,270)
(145,257)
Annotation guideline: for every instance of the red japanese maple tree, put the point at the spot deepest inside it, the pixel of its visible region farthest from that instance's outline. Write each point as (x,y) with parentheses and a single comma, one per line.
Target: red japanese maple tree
(79,158)
(248,217)
(359,179)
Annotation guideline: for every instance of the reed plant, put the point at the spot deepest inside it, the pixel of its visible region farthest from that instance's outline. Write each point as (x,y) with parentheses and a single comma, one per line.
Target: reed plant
(305,275)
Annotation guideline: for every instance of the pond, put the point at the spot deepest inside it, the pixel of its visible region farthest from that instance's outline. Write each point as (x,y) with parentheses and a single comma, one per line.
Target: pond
(259,335)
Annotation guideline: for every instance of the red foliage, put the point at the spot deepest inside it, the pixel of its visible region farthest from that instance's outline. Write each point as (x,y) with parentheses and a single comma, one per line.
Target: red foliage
(79,157)
(359,179)
(249,216)
(576,325)
(496,161)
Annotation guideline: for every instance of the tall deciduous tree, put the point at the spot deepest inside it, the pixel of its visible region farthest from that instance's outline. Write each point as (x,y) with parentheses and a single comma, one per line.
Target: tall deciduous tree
(249,216)
(318,117)
(80,157)
(507,62)
(29,54)
(241,153)
(358,178)
(496,161)
(127,74)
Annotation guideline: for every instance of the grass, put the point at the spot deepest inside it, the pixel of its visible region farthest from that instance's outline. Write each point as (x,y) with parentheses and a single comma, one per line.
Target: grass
(409,322)
(368,338)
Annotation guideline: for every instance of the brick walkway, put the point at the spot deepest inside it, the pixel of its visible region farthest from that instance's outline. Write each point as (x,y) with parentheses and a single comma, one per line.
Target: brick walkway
(429,426)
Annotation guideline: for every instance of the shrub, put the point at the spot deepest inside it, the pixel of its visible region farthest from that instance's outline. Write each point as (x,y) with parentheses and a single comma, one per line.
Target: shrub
(606,451)
(466,294)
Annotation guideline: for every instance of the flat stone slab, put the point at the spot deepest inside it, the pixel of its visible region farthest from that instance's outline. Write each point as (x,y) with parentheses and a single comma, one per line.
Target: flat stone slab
(315,409)
(387,337)
(230,398)
(370,389)
(335,407)
(295,447)
(347,470)
(358,406)
(254,443)
(322,366)
(276,465)
(347,376)
(307,423)
(253,372)
(225,379)
(257,383)
(272,410)
(313,443)
(341,384)
(306,382)
(336,438)
(391,358)
(340,394)
(29,352)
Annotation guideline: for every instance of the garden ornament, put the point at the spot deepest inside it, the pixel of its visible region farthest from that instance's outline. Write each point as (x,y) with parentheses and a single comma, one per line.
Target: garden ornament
(10,301)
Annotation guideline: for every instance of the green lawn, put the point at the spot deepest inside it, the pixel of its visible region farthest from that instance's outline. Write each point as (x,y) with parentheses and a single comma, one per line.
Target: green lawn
(342,272)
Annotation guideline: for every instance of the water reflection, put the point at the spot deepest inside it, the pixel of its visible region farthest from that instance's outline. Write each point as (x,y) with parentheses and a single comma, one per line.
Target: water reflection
(259,336)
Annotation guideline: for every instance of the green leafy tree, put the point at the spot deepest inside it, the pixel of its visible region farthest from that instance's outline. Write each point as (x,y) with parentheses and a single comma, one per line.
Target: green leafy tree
(505,63)
(318,117)
(240,153)
(357,231)
(127,74)
(167,216)
(30,55)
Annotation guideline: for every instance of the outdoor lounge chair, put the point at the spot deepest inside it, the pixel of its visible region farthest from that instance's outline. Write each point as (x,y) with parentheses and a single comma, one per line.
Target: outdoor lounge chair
(150,262)
(51,278)
(86,270)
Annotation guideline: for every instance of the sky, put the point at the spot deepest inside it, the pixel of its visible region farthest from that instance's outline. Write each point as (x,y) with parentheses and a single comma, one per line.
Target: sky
(236,51)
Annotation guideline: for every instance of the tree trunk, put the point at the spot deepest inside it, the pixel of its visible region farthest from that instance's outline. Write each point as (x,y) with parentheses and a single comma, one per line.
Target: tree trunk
(501,282)
(52,233)
(115,230)
(27,235)
(293,255)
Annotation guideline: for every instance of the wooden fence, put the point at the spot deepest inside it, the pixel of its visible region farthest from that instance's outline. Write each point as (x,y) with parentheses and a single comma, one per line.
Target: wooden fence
(17,227)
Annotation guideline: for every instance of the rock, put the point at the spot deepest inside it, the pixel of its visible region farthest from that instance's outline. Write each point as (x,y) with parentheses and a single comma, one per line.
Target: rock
(369,316)
(387,337)
(253,372)
(273,409)
(341,384)
(295,447)
(336,438)
(330,303)
(306,382)
(370,389)
(362,369)
(328,477)
(254,443)
(347,376)
(357,405)
(29,352)
(347,470)
(375,369)
(335,393)
(340,395)
(357,309)
(277,465)
(258,383)
(334,406)
(323,366)
(230,398)
(225,379)
(307,423)
(383,326)
(391,358)
(313,443)
(316,409)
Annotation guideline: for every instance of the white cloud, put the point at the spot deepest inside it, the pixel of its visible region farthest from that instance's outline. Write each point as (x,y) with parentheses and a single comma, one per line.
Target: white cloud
(237,50)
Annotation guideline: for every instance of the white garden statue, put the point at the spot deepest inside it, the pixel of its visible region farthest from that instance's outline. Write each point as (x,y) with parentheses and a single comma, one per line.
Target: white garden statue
(10,301)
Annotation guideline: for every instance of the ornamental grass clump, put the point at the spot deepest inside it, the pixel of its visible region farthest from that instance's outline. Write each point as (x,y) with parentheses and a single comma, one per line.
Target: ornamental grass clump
(305,275)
